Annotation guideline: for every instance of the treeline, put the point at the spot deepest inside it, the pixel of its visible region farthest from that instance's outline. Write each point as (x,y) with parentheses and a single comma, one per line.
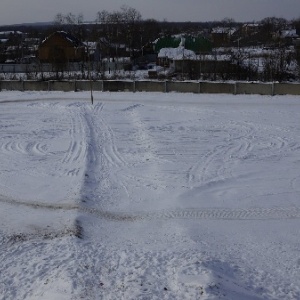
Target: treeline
(124,33)
(122,28)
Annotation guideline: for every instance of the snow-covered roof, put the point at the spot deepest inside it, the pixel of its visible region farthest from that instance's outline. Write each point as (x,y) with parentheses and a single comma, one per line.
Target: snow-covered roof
(11,48)
(291,33)
(117,59)
(181,53)
(32,40)
(251,25)
(224,30)
(176,53)
(10,32)
(212,57)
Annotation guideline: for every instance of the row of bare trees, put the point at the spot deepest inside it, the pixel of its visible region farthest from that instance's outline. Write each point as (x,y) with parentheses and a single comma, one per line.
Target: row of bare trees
(117,31)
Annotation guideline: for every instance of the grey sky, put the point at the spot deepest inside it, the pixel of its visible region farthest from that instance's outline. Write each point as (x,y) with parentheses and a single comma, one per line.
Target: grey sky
(25,11)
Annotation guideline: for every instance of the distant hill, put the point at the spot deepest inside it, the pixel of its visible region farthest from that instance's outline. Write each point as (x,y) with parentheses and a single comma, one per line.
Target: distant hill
(35,25)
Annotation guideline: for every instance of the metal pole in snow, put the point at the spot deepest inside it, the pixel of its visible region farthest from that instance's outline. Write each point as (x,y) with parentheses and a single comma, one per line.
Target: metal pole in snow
(91,83)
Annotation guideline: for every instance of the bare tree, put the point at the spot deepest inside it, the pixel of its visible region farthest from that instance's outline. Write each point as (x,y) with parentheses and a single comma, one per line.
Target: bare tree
(130,15)
(271,28)
(132,19)
(70,22)
(102,17)
(275,65)
(120,27)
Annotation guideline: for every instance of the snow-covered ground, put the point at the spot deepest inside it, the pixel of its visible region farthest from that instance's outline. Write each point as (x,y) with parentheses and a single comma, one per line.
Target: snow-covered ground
(149,196)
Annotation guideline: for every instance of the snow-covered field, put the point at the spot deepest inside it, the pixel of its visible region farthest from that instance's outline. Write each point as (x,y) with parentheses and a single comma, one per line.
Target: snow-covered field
(149,196)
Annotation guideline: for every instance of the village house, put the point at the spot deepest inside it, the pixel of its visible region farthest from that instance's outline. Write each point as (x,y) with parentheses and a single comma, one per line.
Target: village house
(221,36)
(61,47)
(289,35)
(180,60)
(250,29)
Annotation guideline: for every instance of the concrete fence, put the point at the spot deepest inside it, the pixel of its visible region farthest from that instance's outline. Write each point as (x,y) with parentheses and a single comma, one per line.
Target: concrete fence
(154,86)
(117,86)
(217,88)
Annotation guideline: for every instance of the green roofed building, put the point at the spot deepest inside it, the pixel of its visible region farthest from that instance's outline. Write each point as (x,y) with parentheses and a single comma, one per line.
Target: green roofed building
(198,44)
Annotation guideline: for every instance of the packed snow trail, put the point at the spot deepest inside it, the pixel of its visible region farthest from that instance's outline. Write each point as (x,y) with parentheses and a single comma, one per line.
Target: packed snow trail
(149,196)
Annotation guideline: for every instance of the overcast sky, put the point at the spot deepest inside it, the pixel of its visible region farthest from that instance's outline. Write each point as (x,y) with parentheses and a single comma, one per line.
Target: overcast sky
(26,11)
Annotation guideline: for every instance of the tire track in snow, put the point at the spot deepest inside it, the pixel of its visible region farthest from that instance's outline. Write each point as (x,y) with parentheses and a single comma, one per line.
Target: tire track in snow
(12,146)
(77,149)
(144,151)
(131,107)
(231,214)
(145,143)
(255,213)
(266,146)
(75,230)
(96,122)
(98,107)
(102,159)
(243,138)
(110,150)
(73,172)
(216,164)
(31,148)
(147,181)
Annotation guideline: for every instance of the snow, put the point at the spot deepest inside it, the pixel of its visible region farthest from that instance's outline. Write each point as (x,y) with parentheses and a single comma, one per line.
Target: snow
(149,196)
(224,30)
(291,33)
(10,32)
(176,53)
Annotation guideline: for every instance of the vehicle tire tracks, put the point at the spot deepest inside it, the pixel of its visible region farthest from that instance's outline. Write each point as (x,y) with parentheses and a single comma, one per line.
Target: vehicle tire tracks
(254,213)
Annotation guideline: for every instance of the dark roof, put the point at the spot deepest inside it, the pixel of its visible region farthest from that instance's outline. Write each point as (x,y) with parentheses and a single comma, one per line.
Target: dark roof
(67,36)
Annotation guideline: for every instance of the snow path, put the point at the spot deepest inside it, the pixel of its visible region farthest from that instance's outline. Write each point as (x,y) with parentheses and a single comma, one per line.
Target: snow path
(149,196)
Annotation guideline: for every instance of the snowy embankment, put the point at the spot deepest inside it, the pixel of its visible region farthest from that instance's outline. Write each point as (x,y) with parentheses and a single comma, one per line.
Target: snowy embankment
(149,196)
